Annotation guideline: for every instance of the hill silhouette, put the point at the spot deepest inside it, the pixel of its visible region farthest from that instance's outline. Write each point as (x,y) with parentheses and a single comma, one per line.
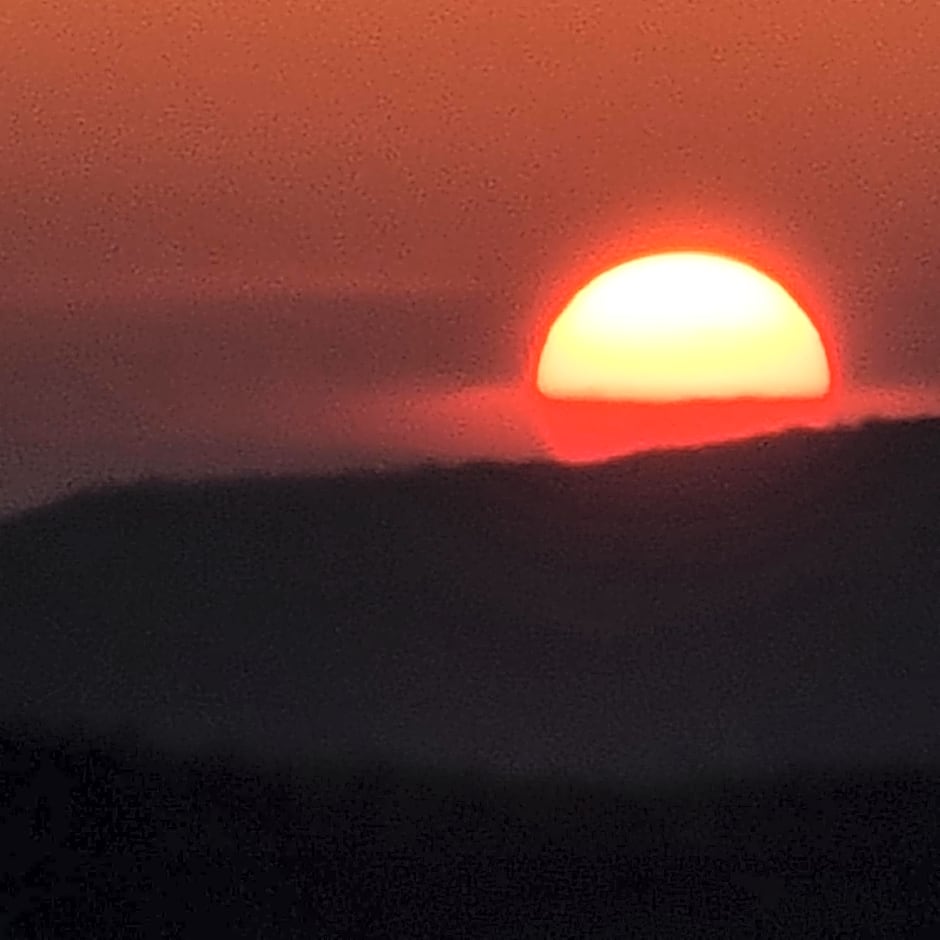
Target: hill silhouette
(688,686)
(740,607)
(113,839)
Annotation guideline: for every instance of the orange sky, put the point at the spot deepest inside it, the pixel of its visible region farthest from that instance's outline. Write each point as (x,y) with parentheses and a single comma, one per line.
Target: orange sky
(153,146)
(152,149)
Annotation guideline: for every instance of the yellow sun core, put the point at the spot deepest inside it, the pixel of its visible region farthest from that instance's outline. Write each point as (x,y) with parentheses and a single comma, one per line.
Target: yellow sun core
(683,326)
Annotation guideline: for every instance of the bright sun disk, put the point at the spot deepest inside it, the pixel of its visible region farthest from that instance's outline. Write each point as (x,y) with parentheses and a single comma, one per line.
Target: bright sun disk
(683,326)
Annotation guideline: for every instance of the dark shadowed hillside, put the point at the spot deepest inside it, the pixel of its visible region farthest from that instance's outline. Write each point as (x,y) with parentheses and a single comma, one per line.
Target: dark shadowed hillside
(742,607)
(111,840)
(690,690)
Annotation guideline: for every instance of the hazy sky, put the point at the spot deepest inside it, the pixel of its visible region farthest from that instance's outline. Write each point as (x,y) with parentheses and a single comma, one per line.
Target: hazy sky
(470,162)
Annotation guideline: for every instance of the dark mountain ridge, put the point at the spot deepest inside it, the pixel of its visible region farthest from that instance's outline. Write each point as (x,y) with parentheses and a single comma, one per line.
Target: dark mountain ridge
(683,694)
(114,839)
(742,606)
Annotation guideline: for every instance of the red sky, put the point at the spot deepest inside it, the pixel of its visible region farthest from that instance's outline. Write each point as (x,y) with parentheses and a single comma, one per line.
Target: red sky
(156,152)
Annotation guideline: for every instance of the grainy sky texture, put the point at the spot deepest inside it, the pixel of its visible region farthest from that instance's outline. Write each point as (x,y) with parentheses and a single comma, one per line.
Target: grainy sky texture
(256,157)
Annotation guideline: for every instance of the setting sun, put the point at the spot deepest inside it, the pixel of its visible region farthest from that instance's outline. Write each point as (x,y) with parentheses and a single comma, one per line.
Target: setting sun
(683,326)
(678,349)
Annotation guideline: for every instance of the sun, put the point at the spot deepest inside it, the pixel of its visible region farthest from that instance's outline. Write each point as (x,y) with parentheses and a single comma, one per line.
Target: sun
(677,349)
(683,326)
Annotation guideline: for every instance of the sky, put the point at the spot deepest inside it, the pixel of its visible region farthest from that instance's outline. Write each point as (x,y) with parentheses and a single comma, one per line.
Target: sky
(248,234)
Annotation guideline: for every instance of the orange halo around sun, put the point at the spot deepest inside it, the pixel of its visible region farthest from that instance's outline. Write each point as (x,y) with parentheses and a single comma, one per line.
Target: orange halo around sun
(676,348)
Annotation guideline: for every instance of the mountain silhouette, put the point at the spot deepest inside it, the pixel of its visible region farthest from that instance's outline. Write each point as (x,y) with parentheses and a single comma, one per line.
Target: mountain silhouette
(739,608)
(109,838)
(684,690)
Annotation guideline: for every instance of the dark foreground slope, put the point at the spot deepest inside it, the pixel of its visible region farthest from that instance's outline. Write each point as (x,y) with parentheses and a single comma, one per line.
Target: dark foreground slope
(110,840)
(737,646)
(741,608)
